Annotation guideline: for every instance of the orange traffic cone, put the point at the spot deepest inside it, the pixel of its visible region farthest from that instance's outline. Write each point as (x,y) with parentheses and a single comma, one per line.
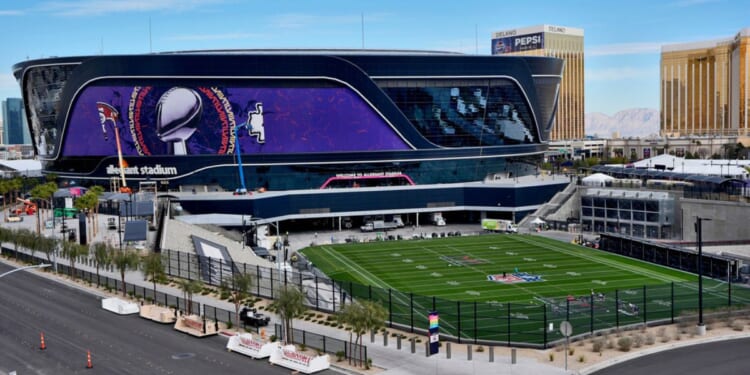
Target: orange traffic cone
(42,345)
(88,359)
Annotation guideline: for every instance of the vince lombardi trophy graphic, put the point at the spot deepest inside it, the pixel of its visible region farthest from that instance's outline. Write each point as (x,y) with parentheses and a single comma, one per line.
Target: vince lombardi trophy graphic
(178,114)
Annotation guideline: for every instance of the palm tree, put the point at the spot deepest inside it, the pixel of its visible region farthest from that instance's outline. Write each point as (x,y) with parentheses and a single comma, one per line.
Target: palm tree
(97,191)
(153,268)
(47,246)
(289,304)
(124,261)
(362,316)
(240,284)
(190,287)
(72,251)
(102,258)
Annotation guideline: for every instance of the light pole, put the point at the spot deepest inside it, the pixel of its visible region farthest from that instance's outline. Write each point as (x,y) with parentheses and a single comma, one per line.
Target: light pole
(43,265)
(698,230)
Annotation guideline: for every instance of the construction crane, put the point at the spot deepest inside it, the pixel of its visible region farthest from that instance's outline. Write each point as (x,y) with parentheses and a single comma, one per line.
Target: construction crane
(107,113)
(242,190)
(255,127)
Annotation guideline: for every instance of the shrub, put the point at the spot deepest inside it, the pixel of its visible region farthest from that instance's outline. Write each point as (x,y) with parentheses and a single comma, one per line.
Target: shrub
(340,356)
(638,340)
(571,351)
(737,325)
(229,324)
(611,344)
(581,359)
(598,345)
(650,339)
(661,332)
(624,343)
(480,349)
(273,338)
(551,357)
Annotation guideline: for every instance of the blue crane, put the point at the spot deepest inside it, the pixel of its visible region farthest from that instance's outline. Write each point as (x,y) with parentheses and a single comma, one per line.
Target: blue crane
(255,127)
(241,190)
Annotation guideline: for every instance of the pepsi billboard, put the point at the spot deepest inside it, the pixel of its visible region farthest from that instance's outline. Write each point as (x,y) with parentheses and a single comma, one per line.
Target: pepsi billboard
(517,43)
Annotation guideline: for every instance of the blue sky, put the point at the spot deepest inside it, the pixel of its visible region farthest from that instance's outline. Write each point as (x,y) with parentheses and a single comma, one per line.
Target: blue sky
(622,38)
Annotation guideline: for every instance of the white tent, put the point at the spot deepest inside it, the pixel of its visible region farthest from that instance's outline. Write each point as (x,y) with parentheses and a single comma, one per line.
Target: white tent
(537,221)
(596,179)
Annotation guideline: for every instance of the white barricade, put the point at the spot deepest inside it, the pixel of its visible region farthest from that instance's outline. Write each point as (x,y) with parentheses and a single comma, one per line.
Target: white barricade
(289,357)
(119,306)
(245,344)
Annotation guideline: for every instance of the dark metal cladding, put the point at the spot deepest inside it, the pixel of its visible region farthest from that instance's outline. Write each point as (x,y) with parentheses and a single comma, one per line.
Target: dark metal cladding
(436,117)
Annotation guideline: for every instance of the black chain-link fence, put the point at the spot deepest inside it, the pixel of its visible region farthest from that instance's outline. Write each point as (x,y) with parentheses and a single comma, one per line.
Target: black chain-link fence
(517,324)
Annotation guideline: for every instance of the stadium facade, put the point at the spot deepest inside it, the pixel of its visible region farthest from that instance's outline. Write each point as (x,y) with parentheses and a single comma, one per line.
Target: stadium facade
(562,42)
(290,120)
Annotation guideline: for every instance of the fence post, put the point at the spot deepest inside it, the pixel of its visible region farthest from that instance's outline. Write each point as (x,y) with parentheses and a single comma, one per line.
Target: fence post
(257,275)
(671,302)
(729,291)
(324,344)
(476,334)
(433,303)
(271,280)
(390,307)
(317,294)
(369,292)
(458,314)
(645,319)
(591,313)
(411,312)
(544,327)
(567,309)
(617,308)
(508,324)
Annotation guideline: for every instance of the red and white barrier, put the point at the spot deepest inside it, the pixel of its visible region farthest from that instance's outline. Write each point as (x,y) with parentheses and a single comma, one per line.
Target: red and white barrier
(288,356)
(119,306)
(245,343)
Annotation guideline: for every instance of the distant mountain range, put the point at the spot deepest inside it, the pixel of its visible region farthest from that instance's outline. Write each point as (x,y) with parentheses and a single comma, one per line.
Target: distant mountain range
(634,122)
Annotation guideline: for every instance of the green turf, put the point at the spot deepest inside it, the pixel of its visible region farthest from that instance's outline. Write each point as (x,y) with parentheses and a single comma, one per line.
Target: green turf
(450,275)
(420,267)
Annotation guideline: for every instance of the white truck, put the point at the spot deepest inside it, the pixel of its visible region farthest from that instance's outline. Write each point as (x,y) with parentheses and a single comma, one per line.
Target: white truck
(499,225)
(437,219)
(378,225)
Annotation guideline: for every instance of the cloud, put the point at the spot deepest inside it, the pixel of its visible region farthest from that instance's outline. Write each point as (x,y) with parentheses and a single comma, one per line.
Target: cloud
(11,12)
(620,73)
(204,37)
(624,49)
(100,7)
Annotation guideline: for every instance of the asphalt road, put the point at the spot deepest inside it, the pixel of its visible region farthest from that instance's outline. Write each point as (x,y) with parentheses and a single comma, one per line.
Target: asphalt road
(73,323)
(723,357)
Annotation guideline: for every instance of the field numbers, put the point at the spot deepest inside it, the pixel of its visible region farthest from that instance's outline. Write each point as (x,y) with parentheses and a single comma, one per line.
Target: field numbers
(572,273)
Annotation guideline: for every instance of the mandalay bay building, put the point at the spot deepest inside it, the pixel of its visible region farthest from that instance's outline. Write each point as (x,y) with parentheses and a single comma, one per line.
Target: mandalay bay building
(704,87)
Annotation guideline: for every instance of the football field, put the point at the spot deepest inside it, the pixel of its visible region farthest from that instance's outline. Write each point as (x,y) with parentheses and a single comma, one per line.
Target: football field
(513,287)
(490,268)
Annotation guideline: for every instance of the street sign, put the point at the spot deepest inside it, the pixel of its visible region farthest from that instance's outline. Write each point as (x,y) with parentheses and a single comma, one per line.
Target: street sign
(566,328)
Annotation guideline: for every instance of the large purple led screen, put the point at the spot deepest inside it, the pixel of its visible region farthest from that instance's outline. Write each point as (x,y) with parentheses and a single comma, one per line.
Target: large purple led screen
(197,120)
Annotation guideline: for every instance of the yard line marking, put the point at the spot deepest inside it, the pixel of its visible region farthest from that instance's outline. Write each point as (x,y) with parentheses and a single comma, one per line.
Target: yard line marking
(374,279)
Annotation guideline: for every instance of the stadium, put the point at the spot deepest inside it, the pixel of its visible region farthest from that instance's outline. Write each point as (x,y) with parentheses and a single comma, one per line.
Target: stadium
(417,131)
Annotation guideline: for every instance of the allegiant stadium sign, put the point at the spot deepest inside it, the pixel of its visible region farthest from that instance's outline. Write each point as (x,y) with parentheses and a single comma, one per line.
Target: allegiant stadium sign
(145,170)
